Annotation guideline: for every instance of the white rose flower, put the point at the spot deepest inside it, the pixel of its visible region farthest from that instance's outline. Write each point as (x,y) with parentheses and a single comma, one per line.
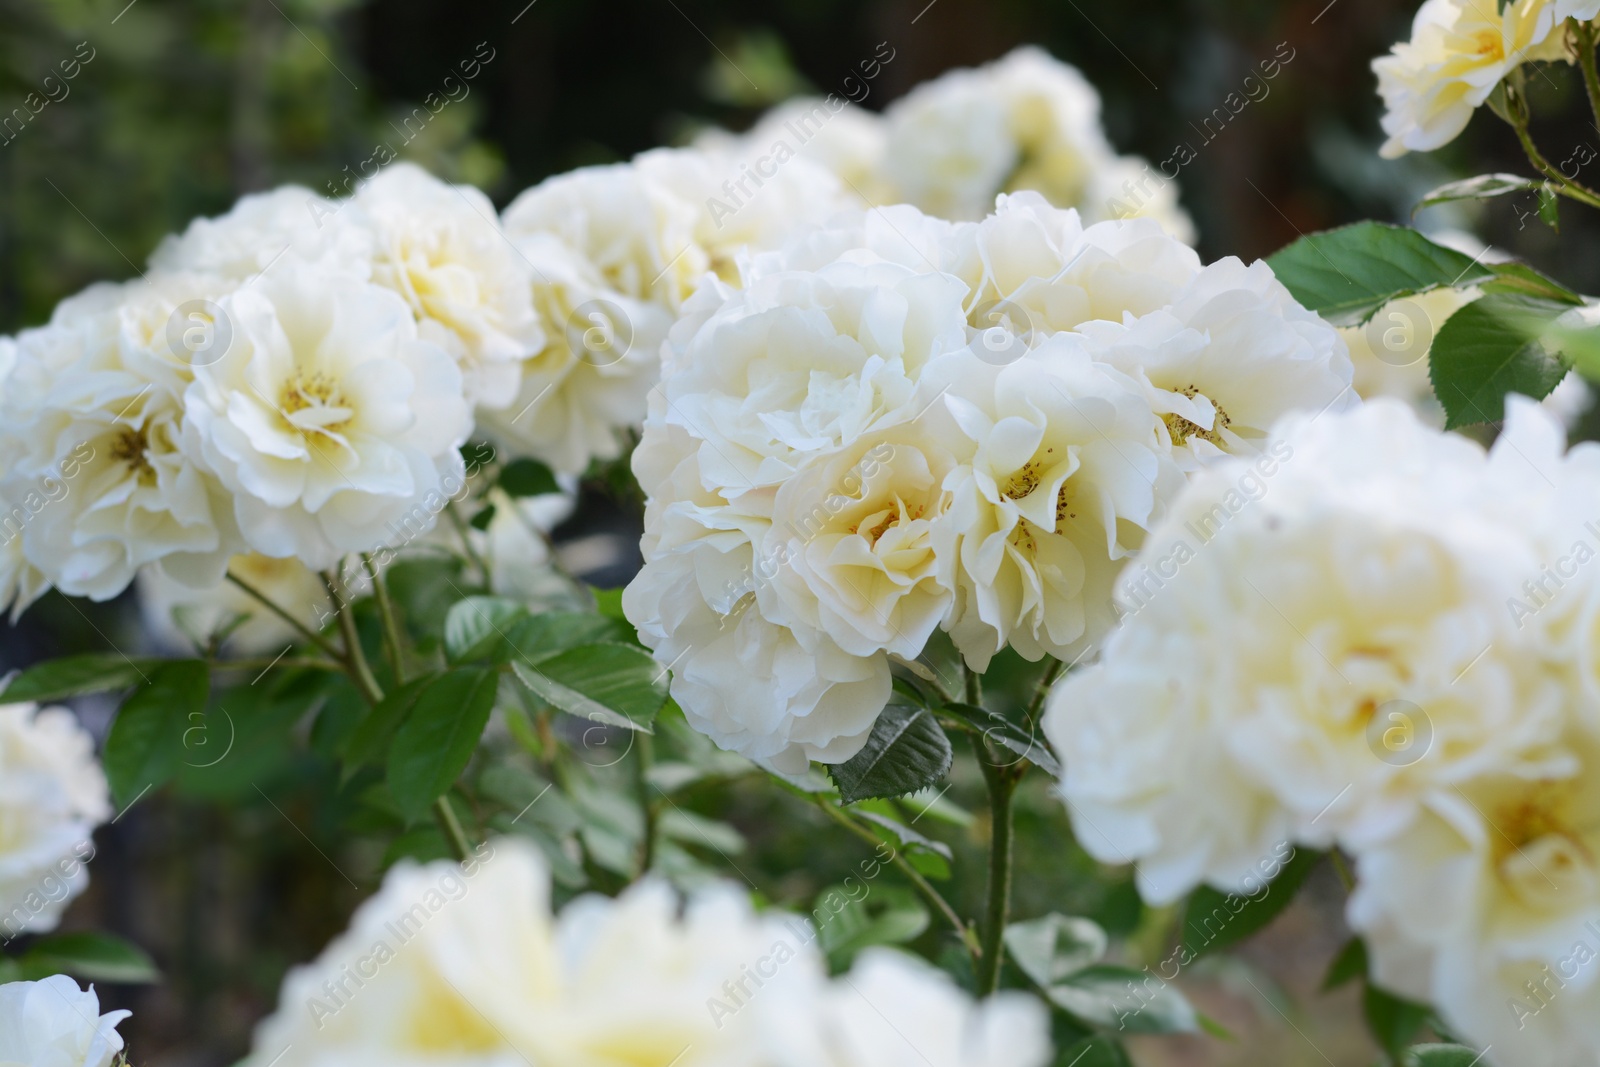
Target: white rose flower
(93,468)
(52,796)
(893,1010)
(1033,268)
(847,140)
(587,385)
(180,616)
(289,223)
(1312,642)
(329,420)
(1060,469)
(442,249)
(53,1023)
(1024,122)
(1491,902)
(950,148)
(1232,354)
(636,232)
(1458,52)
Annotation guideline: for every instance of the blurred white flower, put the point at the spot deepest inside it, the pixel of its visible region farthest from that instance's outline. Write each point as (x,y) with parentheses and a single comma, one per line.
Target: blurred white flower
(288,224)
(1024,122)
(180,617)
(893,1010)
(329,420)
(52,796)
(465,965)
(1458,52)
(53,1023)
(845,139)
(1314,641)
(442,249)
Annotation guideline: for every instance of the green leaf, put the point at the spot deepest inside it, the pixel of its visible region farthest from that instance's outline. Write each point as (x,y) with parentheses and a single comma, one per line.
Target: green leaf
(90,956)
(1482,187)
(1521,278)
(1023,739)
(611,684)
(849,921)
(1055,947)
(1440,1056)
(1098,1051)
(1492,347)
(906,751)
(1549,207)
(1345,275)
(478,628)
(146,740)
(1349,965)
(555,631)
(1120,998)
(71,676)
(372,734)
(528,477)
(1215,920)
(1394,1022)
(432,747)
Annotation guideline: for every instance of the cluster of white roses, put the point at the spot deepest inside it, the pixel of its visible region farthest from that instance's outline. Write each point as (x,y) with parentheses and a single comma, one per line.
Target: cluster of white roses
(1459,52)
(1026,121)
(465,965)
(901,424)
(52,796)
(1389,648)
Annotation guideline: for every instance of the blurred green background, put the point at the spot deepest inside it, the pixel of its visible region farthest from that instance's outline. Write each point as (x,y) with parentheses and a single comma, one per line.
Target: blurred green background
(180,106)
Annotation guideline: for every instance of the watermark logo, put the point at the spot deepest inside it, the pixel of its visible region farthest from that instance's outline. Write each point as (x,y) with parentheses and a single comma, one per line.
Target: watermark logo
(200,332)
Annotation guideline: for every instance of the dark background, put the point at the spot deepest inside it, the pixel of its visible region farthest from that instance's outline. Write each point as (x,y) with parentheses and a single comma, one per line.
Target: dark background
(189,103)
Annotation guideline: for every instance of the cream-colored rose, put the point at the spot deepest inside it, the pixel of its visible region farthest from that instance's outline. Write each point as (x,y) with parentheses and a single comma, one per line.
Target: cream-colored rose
(53,1023)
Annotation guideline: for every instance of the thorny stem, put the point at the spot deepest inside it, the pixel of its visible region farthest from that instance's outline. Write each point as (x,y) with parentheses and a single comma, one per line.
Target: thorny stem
(354,657)
(1002,783)
(465,532)
(1051,673)
(1517,106)
(914,876)
(451,826)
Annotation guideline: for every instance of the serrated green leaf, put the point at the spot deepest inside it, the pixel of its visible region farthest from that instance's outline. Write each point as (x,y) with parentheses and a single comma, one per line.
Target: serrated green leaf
(1349,965)
(1054,947)
(1022,739)
(1521,278)
(70,676)
(1346,275)
(433,746)
(478,628)
(1123,999)
(1481,187)
(375,730)
(1215,920)
(906,751)
(556,631)
(90,956)
(528,477)
(611,684)
(1492,347)
(146,740)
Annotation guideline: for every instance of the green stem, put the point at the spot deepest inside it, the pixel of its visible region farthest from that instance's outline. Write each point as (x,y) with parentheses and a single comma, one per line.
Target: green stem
(391,628)
(914,876)
(267,602)
(974,686)
(1562,185)
(1051,673)
(1585,33)
(354,657)
(261,663)
(453,833)
(1342,868)
(465,532)
(1002,783)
